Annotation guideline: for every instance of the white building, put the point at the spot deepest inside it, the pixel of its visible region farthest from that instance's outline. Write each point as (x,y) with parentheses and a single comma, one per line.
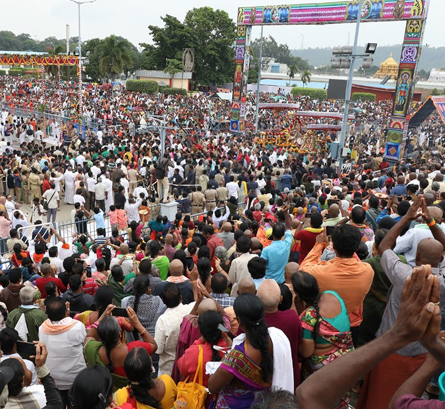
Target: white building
(437,76)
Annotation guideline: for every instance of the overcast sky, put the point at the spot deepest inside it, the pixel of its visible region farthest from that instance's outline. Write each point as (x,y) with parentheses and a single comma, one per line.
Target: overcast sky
(130,19)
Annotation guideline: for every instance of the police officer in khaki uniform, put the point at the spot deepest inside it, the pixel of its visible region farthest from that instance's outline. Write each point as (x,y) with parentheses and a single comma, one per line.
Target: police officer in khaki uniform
(210,195)
(198,200)
(34,183)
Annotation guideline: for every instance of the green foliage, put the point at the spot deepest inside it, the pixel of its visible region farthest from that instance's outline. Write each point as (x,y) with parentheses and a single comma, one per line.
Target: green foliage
(174,66)
(435,92)
(16,71)
(305,77)
(2,72)
(292,70)
(211,33)
(174,91)
(146,87)
(363,96)
(314,93)
(279,52)
(115,57)
(92,70)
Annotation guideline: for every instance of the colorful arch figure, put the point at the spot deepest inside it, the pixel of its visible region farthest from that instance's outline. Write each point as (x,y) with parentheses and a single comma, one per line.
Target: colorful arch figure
(18,59)
(414,12)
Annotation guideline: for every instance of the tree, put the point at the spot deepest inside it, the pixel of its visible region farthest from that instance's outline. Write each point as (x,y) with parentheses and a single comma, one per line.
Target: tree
(435,92)
(291,71)
(52,69)
(305,77)
(174,66)
(279,52)
(92,69)
(212,36)
(114,57)
(211,33)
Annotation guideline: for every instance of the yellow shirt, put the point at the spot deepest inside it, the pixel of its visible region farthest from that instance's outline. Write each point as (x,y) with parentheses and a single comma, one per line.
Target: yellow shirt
(121,395)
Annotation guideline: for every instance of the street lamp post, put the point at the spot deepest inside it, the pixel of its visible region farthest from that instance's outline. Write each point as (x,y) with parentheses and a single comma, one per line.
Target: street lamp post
(344,124)
(79,3)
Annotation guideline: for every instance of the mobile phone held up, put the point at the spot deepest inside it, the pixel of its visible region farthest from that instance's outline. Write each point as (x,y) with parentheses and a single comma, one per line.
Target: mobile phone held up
(26,348)
(119,312)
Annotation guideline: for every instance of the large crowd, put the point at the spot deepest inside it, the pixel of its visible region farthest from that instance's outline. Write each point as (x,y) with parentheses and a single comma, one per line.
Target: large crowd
(280,281)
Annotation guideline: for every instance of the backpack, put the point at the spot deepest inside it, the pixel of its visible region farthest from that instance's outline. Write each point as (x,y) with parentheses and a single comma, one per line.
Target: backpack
(160,170)
(192,395)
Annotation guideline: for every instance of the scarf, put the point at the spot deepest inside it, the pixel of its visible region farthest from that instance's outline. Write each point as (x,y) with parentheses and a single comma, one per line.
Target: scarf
(37,257)
(314,230)
(59,328)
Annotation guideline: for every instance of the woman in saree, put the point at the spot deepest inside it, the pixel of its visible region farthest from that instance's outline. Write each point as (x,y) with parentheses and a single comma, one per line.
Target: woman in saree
(326,327)
(111,349)
(248,367)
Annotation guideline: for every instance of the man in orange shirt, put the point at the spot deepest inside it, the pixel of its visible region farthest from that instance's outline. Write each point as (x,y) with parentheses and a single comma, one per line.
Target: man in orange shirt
(345,273)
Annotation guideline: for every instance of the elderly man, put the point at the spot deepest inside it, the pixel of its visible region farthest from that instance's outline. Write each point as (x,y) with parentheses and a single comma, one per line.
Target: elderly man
(226,235)
(334,215)
(124,259)
(33,316)
(288,321)
(177,277)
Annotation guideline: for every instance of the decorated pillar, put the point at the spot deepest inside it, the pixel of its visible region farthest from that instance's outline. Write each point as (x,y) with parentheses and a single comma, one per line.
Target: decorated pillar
(242,60)
(411,51)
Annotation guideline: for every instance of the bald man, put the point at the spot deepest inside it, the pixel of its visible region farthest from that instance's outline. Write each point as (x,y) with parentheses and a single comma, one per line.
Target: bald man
(226,235)
(287,321)
(177,276)
(334,215)
(384,379)
(126,263)
(408,243)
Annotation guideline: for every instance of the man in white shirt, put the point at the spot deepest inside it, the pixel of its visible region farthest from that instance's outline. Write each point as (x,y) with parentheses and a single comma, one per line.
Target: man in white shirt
(67,341)
(100,194)
(168,327)
(140,189)
(132,209)
(52,197)
(233,188)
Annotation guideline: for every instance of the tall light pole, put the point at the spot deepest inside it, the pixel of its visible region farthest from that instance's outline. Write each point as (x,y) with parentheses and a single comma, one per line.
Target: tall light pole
(257,110)
(79,3)
(344,124)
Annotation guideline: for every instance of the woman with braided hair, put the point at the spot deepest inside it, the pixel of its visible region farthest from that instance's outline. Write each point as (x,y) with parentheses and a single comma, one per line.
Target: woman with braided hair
(326,327)
(211,335)
(112,350)
(147,307)
(144,392)
(258,360)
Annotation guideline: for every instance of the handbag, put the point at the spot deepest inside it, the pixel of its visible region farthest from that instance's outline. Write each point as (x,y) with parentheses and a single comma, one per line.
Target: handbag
(45,203)
(192,395)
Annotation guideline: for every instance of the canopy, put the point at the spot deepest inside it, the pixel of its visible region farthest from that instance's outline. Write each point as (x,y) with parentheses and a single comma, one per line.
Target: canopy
(324,127)
(428,107)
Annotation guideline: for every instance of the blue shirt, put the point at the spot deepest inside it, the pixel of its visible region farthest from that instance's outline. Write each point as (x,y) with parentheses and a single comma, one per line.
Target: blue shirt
(399,190)
(277,256)
(286,181)
(100,222)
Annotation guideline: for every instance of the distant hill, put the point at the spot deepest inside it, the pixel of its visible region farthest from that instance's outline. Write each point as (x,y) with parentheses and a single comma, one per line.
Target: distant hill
(432,57)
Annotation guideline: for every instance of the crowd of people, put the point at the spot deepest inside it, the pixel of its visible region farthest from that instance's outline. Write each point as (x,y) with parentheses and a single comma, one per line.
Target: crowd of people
(280,281)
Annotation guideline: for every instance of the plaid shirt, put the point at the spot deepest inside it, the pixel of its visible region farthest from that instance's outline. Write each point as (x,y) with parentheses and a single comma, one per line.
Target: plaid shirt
(224,300)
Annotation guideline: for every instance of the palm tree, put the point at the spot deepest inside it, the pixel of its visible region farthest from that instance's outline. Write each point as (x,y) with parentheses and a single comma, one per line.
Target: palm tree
(291,71)
(115,57)
(305,77)
(174,66)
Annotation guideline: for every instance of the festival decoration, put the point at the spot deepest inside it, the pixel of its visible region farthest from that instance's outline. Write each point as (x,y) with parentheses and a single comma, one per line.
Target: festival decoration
(14,59)
(414,12)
